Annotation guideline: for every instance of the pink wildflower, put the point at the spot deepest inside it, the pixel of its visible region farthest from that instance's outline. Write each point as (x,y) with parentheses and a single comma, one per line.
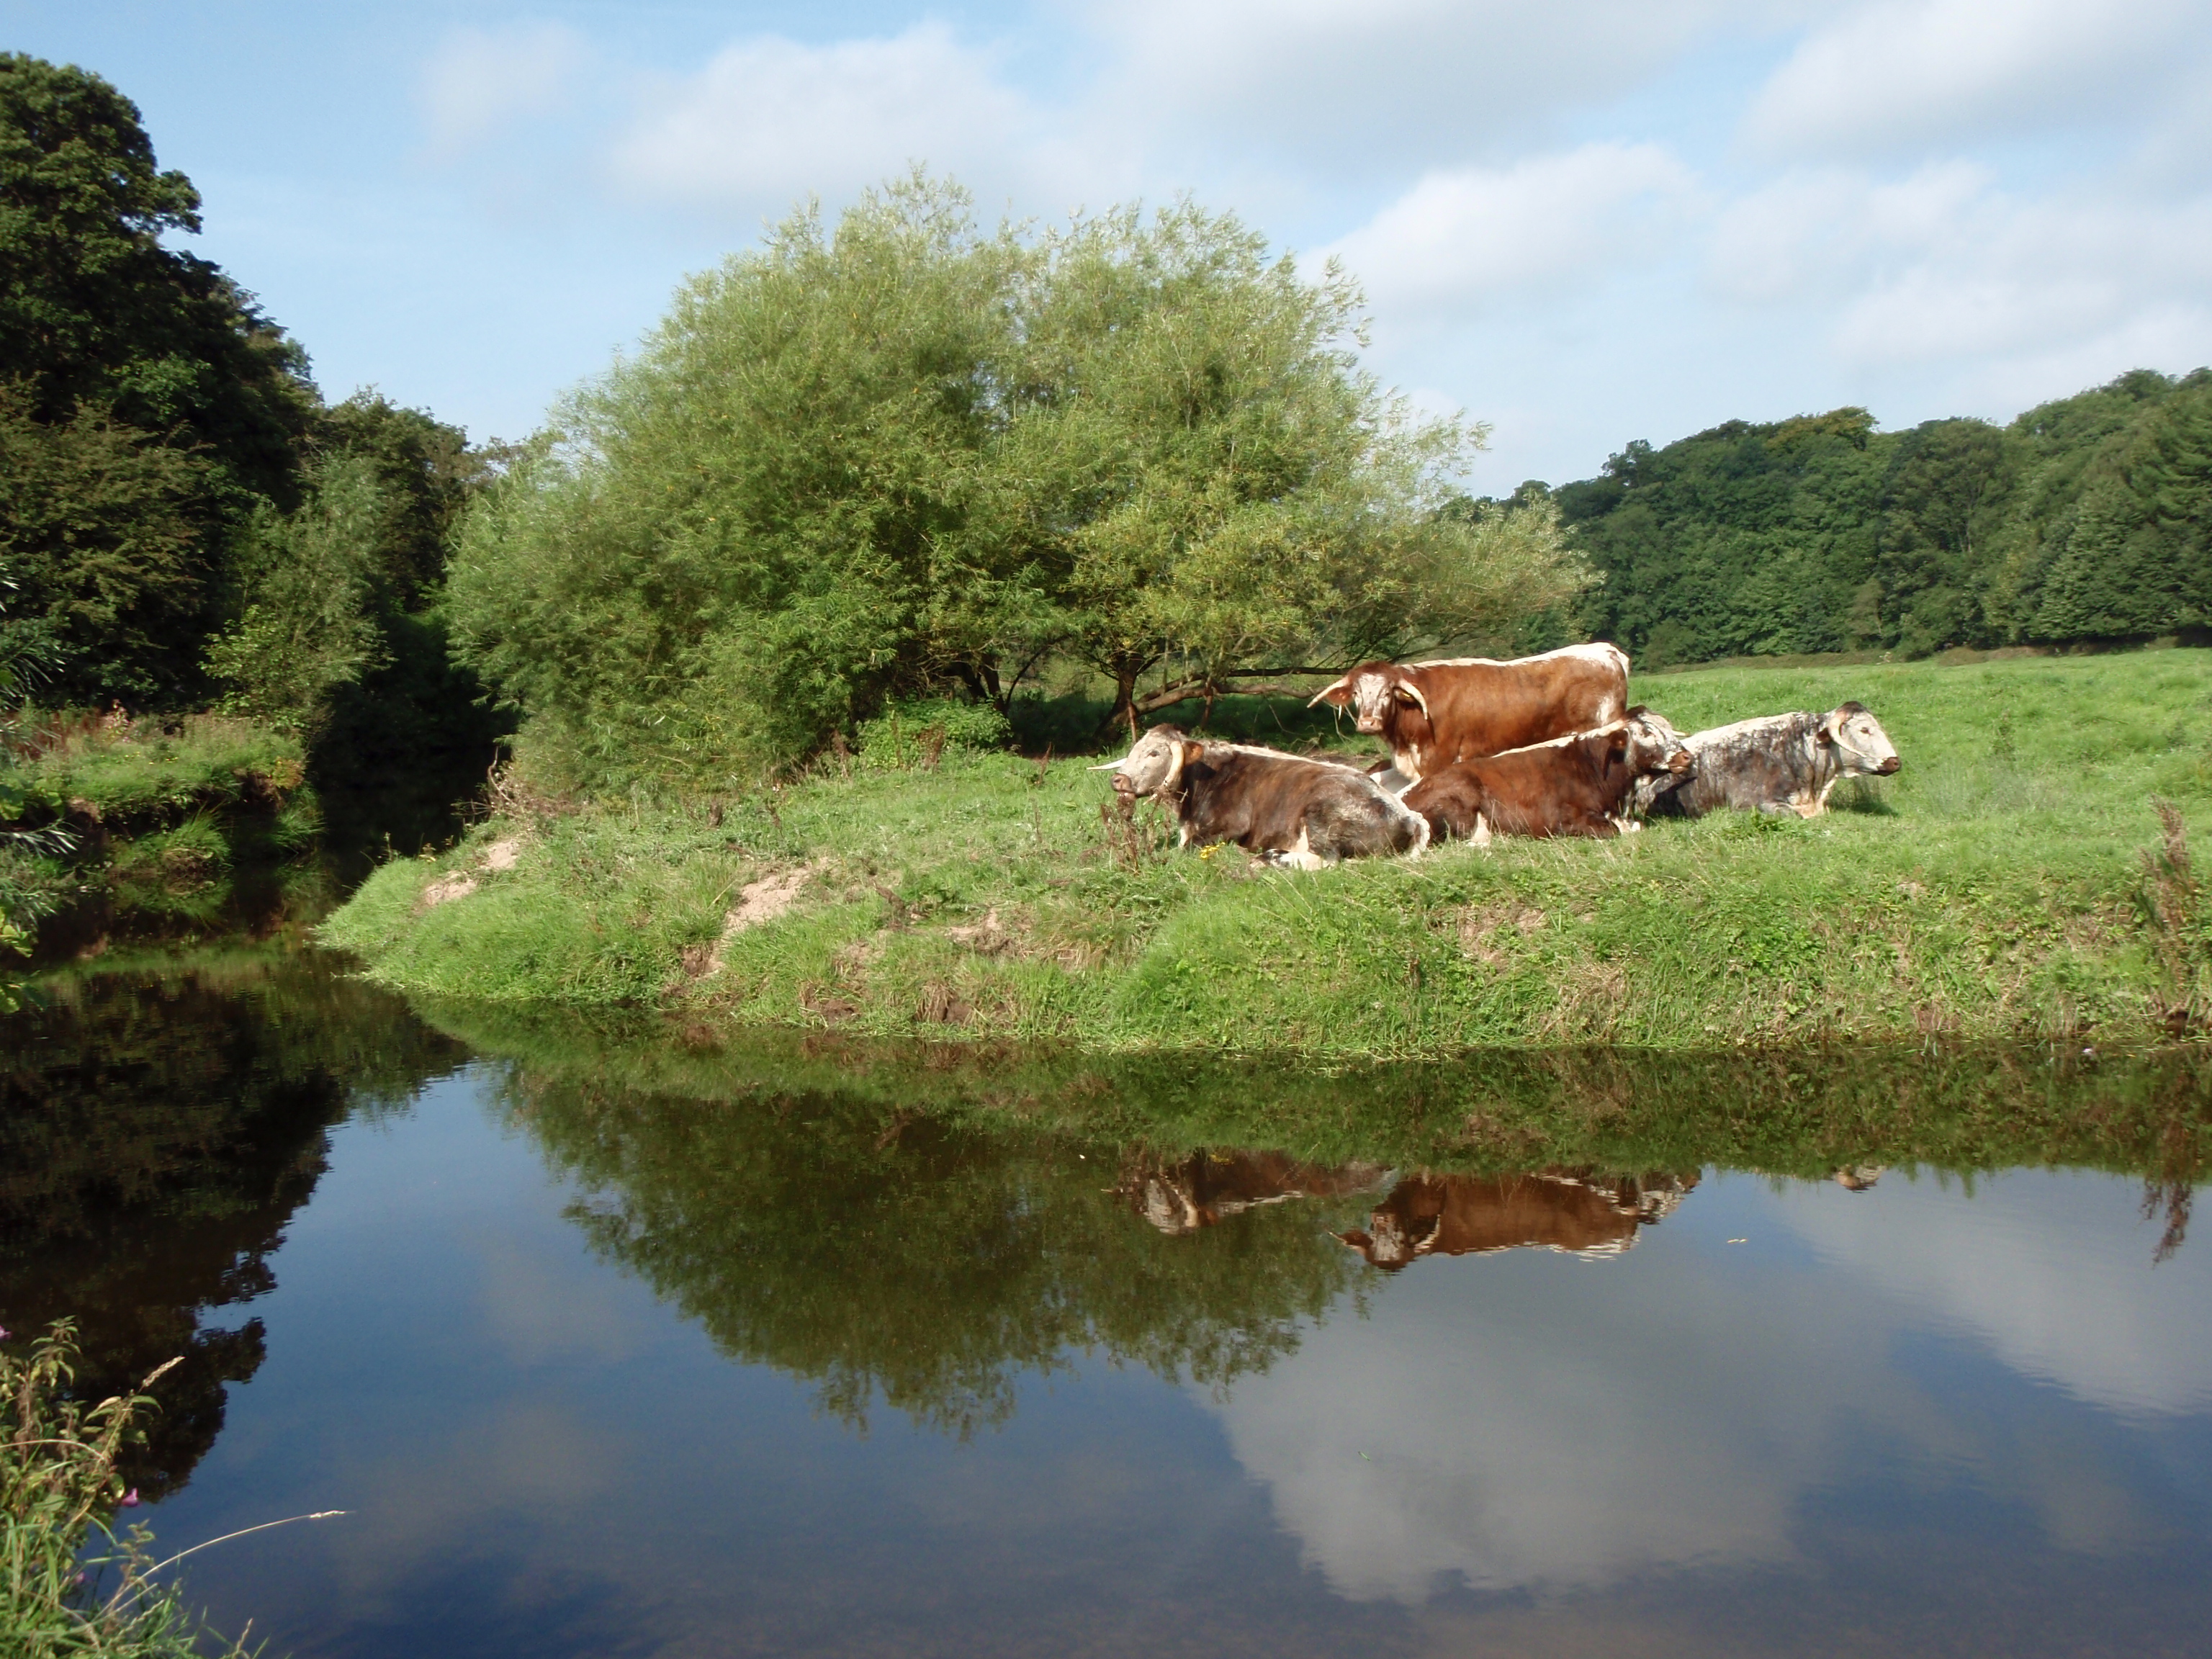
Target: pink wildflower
(130,1498)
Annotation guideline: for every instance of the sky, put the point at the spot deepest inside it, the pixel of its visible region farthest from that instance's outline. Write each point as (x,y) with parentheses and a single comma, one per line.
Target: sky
(1580,222)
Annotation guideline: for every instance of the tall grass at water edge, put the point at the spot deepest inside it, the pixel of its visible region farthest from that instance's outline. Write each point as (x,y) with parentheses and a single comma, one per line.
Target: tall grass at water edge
(70,1584)
(1995,888)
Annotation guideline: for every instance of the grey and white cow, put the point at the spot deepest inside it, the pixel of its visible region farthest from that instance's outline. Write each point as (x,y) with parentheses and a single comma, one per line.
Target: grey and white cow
(1778,763)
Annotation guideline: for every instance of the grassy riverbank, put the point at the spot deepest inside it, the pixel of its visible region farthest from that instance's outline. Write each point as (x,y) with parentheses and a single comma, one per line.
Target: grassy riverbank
(1996,889)
(188,825)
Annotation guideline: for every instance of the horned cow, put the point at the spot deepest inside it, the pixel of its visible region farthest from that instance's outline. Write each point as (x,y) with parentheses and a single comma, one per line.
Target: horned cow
(1780,763)
(1582,1214)
(1577,785)
(1308,813)
(1432,713)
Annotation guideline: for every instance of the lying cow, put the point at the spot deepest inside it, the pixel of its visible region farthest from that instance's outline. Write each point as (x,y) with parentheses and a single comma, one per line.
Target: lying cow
(1207,1188)
(1432,713)
(1577,785)
(1782,764)
(1303,812)
(1467,1215)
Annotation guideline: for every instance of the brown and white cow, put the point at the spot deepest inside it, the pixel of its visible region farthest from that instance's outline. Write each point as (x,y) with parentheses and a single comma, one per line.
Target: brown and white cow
(1579,786)
(1206,1188)
(1303,813)
(1432,713)
(1550,1209)
(1781,763)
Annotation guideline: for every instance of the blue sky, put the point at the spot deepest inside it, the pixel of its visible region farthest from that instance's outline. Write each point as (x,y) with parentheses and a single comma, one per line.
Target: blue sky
(1583,222)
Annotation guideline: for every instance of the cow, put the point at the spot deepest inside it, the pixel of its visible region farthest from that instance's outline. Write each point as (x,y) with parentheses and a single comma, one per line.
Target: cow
(1551,1209)
(1579,786)
(1207,1188)
(1780,763)
(1306,813)
(1430,714)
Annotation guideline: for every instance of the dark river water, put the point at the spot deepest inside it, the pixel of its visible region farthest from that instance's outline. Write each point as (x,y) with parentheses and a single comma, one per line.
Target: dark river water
(615,1346)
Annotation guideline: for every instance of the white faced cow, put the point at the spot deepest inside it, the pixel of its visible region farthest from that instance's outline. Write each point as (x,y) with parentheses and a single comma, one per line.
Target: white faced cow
(1432,713)
(1782,764)
(1303,813)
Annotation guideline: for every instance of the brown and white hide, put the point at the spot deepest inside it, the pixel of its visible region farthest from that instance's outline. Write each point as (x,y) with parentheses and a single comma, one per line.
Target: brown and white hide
(1577,785)
(1306,813)
(1551,1209)
(1430,714)
(1207,1188)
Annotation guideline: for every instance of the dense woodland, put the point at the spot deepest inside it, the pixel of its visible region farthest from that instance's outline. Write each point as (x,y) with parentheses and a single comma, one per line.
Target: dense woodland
(2086,518)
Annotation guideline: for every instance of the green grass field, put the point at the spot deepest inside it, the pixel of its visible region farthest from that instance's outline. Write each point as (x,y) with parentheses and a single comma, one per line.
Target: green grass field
(1995,888)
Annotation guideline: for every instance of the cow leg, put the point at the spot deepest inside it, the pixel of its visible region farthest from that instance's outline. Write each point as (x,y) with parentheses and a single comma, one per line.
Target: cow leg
(1300,854)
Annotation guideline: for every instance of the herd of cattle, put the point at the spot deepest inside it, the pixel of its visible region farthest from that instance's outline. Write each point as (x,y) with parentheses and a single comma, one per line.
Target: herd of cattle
(1544,746)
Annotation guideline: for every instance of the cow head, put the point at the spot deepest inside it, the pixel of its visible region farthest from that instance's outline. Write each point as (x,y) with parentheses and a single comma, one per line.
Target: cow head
(1387,1242)
(1155,763)
(1654,745)
(1861,745)
(1370,691)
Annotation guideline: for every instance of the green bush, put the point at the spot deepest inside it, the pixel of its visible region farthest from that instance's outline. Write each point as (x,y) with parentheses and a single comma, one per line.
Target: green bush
(58,1494)
(908,733)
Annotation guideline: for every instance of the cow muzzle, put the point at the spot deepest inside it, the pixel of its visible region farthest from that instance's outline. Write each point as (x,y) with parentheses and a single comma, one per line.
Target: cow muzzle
(1370,724)
(1888,767)
(1123,784)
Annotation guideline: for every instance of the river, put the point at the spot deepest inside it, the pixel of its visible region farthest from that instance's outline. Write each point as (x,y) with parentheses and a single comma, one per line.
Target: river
(600,1356)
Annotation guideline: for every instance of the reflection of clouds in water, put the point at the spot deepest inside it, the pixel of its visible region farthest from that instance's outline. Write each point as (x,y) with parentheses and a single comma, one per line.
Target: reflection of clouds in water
(2045,1268)
(1534,1420)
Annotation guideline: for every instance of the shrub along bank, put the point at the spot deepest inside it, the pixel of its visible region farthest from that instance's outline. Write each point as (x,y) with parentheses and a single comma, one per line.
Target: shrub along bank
(188,822)
(2015,880)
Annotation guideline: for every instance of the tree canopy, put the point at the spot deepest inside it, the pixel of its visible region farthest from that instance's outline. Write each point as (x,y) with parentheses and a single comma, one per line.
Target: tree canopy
(2087,518)
(906,455)
(147,407)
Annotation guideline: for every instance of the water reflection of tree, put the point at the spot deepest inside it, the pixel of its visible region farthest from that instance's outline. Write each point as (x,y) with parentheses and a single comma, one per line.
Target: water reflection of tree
(902,1259)
(156,1134)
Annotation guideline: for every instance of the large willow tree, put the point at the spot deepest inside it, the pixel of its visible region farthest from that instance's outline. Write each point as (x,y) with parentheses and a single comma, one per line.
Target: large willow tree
(904,454)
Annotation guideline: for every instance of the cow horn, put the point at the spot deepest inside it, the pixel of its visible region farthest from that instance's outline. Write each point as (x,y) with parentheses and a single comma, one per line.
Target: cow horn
(1415,692)
(1110,766)
(1343,683)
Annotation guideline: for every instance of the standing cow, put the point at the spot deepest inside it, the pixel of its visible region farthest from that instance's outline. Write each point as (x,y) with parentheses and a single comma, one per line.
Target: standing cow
(1432,713)
(1577,785)
(1781,763)
(1303,812)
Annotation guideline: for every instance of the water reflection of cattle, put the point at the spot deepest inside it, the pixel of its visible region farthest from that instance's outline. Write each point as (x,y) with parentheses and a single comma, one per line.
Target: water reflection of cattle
(1199,1191)
(1558,1210)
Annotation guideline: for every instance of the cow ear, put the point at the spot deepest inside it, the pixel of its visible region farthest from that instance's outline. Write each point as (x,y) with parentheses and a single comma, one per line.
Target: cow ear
(1831,726)
(1355,1239)
(1192,751)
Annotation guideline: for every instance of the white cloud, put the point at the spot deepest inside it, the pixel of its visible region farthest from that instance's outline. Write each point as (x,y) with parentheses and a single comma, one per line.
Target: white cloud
(1529,1421)
(1943,265)
(1463,235)
(1899,73)
(769,119)
(480,81)
(1346,84)
(2034,1267)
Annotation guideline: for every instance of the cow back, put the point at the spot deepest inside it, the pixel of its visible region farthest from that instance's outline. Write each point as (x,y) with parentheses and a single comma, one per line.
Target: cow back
(1477,706)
